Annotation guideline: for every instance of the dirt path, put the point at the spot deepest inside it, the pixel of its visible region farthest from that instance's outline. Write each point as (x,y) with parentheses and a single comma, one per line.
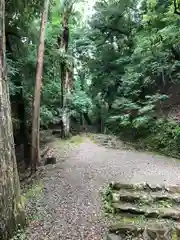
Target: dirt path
(71,205)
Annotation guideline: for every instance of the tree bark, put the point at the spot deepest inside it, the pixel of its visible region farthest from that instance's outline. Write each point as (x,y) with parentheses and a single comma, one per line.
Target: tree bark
(23,131)
(82,76)
(66,75)
(11,204)
(35,151)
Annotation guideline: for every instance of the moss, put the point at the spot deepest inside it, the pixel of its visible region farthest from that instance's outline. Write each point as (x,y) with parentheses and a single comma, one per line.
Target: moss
(34,192)
(174,235)
(164,204)
(139,220)
(74,140)
(156,203)
(91,137)
(20,234)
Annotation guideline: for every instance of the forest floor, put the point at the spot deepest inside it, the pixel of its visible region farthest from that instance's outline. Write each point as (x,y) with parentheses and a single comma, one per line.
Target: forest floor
(70,203)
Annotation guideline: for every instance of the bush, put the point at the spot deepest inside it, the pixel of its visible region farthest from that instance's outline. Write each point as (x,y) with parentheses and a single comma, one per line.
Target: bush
(156,135)
(164,138)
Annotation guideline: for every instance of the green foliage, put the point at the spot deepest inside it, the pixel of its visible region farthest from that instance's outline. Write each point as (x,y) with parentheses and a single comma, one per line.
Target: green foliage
(81,102)
(107,199)
(20,234)
(22,46)
(130,51)
(164,137)
(125,59)
(48,116)
(35,191)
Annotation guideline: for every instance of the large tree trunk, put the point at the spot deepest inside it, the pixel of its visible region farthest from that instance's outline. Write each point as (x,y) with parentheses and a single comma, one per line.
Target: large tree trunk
(11,205)
(35,151)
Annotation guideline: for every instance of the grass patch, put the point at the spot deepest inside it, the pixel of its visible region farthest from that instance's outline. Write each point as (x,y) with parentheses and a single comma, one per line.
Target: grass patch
(107,200)
(20,235)
(91,137)
(74,140)
(35,191)
(174,236)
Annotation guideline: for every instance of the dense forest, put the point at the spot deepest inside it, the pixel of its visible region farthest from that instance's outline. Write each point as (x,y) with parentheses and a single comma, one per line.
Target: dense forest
(112,67)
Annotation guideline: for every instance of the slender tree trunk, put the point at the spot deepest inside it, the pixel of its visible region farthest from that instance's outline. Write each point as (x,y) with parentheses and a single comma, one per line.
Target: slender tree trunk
(62,97)
(35,152)
(23,132)
(11,205)
(81,119)
(86,117)
(66,113)
(66,79)
(82,76)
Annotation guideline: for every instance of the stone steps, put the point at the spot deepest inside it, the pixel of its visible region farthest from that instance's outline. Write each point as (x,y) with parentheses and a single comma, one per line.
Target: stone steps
(143,211)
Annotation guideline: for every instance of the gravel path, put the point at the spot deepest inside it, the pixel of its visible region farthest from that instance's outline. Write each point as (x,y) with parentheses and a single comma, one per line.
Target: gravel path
(71,205)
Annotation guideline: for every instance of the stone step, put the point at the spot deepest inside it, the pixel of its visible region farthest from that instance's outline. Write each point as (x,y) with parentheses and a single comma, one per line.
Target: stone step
(149,231)
(132,209)
(161,196)
(145,197)
(128,196)
(168,213)
(146,187)
(124,228)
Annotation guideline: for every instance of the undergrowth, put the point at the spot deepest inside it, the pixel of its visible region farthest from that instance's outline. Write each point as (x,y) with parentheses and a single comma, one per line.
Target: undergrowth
(107,199)
(161,136)
(20,234)
(32,194)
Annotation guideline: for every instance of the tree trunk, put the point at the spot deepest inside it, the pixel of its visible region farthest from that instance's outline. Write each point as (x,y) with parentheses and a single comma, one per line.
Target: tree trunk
(66,113)
(86,117)
(82,76)
(24,137)
(35,152)
(11,205)
(81,119)
(66,78)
